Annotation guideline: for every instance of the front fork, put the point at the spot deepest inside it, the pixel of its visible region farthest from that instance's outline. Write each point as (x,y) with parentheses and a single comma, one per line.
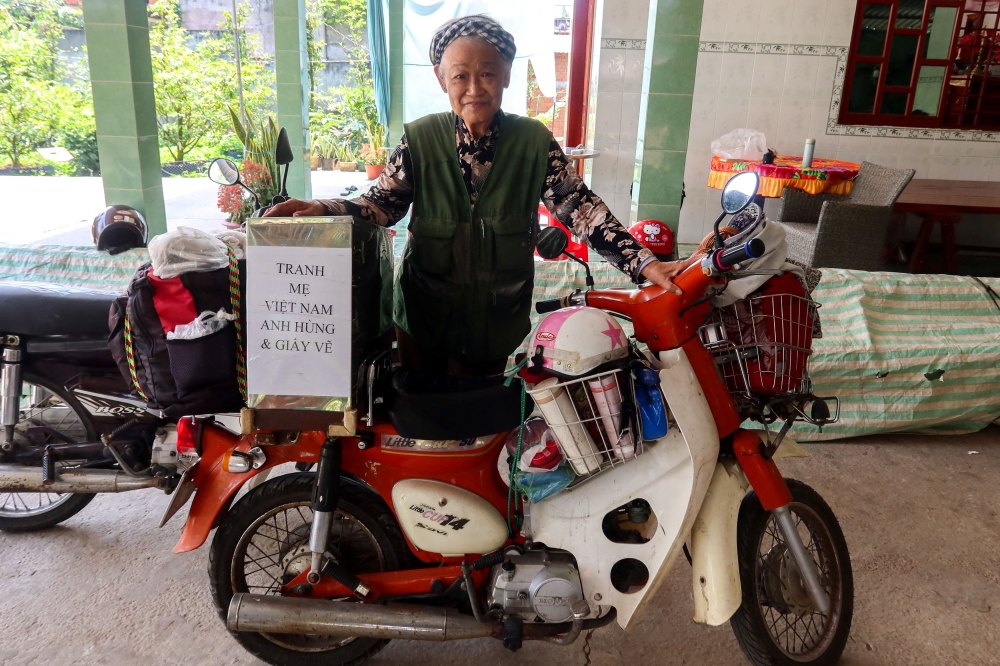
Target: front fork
(774,496)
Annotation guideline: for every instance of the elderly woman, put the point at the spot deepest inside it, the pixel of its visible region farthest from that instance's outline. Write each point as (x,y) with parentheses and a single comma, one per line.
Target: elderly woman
(474,176)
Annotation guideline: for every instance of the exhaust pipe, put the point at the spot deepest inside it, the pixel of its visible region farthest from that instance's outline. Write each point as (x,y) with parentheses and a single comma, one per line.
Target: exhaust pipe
(290,615)
(18,479)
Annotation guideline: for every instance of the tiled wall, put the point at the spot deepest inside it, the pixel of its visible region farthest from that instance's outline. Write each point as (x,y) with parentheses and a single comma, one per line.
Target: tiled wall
(777,67)
(615,90)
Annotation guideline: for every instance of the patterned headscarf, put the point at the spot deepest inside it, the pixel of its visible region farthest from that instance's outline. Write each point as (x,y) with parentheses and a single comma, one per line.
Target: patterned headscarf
(476,25)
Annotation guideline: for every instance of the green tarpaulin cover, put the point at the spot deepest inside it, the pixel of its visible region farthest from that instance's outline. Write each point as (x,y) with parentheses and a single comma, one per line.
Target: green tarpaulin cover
(904,353)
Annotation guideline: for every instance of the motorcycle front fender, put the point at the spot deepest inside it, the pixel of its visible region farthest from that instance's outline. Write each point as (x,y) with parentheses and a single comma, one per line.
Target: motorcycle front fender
(715,570)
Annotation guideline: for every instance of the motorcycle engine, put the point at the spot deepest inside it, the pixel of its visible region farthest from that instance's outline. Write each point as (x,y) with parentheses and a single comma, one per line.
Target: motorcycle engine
(539,583)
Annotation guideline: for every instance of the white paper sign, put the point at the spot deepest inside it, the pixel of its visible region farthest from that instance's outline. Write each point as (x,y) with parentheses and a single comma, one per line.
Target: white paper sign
(298,321)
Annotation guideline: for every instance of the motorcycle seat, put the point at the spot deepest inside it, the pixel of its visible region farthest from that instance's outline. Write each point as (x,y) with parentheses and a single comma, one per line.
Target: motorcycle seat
(430,406)
(42,309)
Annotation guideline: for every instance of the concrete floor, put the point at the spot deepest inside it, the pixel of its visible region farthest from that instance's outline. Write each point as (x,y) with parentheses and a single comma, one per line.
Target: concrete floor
(920,515)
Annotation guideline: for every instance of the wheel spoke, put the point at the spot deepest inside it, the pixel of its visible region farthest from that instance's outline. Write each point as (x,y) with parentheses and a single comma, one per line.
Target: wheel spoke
(272,551)
(800,632)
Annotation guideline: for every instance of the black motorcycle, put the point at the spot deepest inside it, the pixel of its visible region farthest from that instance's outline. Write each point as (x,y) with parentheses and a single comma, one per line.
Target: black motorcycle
(65,406)
(72,426)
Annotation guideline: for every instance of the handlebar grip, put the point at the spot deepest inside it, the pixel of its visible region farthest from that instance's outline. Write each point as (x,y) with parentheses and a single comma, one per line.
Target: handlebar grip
(544,307)
(753,249)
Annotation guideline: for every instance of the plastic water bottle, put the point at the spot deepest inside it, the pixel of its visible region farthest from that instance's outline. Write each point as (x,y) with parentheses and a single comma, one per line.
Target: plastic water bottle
(807,153)
(649,400)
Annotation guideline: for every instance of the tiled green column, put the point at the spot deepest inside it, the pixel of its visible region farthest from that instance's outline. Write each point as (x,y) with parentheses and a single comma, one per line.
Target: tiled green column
(121,74)
(665,109)
(395,70)
(291,65)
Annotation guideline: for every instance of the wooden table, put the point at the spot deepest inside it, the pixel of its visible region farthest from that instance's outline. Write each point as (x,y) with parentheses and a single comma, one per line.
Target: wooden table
(944,202)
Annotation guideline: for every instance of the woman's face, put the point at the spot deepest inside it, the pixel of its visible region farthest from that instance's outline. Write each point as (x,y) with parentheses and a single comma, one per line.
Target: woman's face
(474,76)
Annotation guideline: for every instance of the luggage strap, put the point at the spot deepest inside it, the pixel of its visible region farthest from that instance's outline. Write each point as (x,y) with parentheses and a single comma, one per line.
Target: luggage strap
(130,357)
(234,301)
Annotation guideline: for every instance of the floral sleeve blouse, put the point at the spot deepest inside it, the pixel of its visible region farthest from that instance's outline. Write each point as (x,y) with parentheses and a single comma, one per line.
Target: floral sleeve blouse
(565,195)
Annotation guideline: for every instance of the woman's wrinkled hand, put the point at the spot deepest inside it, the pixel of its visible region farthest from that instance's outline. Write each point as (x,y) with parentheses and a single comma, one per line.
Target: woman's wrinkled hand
(662,273)
(297,208)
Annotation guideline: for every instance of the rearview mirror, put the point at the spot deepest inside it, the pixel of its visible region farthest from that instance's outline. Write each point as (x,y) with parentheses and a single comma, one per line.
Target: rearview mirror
(223,172)
(552,242)
(283,150)
(739,191)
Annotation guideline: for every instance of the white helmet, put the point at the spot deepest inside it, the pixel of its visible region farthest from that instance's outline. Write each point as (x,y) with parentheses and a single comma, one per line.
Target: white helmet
(574,341)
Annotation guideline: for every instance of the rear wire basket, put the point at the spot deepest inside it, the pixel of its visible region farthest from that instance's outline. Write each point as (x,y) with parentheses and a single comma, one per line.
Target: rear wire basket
(590,439)
(762,344)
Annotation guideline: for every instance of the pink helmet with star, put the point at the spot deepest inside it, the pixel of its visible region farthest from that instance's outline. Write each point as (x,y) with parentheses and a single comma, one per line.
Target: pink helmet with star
(573,341)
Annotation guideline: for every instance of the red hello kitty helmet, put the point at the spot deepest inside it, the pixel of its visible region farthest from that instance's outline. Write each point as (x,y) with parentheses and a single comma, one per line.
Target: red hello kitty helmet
(655,235)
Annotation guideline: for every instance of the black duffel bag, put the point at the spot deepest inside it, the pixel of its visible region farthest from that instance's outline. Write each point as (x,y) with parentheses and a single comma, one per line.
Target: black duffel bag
(204,375)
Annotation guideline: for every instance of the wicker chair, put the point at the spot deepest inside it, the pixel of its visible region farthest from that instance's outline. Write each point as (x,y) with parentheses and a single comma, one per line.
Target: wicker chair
(833,231)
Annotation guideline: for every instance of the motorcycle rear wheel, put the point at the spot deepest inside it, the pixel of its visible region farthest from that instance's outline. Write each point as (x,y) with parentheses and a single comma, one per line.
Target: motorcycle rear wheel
(276,516)
(776,624)
(53,406)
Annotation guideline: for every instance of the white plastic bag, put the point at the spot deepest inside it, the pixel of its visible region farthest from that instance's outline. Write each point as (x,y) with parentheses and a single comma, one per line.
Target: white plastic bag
(740,144)
(234,239)
(186,250)
(208,322)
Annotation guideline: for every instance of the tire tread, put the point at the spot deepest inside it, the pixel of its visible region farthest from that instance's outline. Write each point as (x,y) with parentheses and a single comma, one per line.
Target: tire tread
(753,639)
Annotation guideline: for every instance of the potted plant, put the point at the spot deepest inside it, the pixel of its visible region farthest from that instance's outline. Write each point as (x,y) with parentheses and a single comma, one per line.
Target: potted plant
(326,148)
(314,159)
(259,170)
(347,159)
(233,199)
(374,152)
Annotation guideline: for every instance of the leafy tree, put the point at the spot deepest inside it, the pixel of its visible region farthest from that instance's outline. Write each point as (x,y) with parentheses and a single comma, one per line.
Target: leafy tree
(345,113)
(349,20)
(30,101)
(193,86)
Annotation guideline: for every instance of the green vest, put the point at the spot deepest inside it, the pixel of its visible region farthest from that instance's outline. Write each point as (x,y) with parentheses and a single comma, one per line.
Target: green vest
(464,286)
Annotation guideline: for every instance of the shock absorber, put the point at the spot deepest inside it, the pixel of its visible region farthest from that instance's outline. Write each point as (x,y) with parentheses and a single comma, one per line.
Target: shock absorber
(324,504)
(10,392)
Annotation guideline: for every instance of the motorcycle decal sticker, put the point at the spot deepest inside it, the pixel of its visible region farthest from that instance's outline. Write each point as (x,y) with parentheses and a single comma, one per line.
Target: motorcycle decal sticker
(399,443)
(442,519)
(100,404)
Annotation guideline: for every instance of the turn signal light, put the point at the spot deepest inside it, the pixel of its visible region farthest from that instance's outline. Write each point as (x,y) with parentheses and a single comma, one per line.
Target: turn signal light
(238,462)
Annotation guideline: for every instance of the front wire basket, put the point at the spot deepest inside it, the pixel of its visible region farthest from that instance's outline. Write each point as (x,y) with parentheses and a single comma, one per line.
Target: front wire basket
(761,345)
(593,419)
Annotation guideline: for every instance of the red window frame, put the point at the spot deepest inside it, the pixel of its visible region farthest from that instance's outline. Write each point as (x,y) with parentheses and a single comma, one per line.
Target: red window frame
(853,58)
(944,117)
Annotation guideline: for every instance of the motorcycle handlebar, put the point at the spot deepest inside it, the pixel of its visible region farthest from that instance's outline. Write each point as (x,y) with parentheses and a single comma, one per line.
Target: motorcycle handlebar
(752,249)
(544,307)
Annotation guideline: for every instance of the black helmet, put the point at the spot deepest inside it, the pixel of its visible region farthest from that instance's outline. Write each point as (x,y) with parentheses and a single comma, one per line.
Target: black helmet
(119,228)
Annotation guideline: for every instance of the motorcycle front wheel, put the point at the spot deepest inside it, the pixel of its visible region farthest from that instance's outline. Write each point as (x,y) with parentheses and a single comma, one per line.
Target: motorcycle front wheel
(264,543)
(777,623)
(45,405)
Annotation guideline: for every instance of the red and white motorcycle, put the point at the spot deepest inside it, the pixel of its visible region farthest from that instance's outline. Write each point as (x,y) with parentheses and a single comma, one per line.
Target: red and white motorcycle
(408,529)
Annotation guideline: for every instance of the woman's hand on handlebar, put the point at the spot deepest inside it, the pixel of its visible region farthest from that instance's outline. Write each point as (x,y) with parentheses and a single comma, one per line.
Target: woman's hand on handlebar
(662,273)
(297,208)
